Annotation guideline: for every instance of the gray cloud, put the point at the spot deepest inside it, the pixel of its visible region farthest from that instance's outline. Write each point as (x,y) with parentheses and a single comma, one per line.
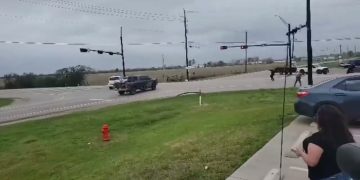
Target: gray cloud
(212,21)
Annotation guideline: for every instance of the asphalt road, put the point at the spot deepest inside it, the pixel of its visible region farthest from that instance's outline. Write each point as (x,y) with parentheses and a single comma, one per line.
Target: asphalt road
(42,102)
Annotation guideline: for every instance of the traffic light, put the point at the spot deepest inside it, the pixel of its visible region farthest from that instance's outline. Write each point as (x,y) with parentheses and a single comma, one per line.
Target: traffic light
(223,47)
(244,47)
(83,50)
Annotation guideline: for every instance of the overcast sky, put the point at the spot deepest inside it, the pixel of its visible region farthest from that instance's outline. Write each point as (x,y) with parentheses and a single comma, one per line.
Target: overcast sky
(97,22)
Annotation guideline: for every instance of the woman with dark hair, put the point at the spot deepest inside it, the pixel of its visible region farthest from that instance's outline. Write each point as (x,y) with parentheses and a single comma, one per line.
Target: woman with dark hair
(320,148)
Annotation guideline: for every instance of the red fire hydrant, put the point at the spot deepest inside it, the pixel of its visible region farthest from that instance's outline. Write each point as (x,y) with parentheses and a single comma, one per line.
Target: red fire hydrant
(106,132)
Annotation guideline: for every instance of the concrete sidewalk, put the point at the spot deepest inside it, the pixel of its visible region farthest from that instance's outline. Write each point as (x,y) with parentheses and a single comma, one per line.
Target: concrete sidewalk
(267,159)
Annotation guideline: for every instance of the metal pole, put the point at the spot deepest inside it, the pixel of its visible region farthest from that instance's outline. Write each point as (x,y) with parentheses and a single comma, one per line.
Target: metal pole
(355,49)
(122,52)
(340,51)
(288,64)
(309,47)
(186,47)
(163,66)
(246,55)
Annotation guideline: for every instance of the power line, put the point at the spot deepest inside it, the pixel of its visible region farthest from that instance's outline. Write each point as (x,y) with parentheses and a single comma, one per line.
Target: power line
(48,43)
(99,10)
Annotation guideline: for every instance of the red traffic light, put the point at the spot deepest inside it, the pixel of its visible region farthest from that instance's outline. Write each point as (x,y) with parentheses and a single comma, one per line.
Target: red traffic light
(244,47)
(223,47)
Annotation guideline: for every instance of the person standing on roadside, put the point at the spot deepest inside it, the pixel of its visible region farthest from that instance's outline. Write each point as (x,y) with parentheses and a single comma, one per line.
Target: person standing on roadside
(298,78)
(320,148)
(272,73)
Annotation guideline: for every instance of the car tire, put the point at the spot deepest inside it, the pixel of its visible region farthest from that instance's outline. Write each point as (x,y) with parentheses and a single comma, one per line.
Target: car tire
(326,71)
(153,87)
(121,92)
(319,71)
(133,91)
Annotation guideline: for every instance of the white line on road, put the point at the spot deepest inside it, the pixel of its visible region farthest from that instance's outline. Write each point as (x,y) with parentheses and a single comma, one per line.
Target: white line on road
(96,99)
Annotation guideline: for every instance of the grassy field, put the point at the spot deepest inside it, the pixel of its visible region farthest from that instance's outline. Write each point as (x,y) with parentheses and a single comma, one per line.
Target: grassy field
(197,73)
(161,139)
(5,102)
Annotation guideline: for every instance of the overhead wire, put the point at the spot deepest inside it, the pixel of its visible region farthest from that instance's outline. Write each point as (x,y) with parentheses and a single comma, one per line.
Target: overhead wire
(100,10)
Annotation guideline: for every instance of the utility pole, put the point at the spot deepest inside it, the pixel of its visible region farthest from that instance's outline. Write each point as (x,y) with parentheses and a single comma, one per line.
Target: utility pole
(163,66)
(246,55)
(122,52)
(289,48)
(340,55)
(186,46)
(354,49)
(309,47)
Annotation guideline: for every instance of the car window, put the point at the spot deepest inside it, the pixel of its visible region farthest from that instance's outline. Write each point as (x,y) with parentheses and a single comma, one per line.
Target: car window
(352,85)
(143,78)
(341,85)
(114,78)
(357,62)
(132,79)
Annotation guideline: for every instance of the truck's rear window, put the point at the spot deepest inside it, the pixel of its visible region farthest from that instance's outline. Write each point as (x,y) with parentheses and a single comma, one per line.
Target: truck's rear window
(114,78)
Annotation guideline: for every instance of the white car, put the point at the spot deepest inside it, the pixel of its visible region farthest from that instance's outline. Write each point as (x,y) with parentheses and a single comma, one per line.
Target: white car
(316,68)
(115,79)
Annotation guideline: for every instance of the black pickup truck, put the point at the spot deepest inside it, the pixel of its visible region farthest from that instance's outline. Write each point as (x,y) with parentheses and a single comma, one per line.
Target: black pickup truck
(135,83)
(286,70)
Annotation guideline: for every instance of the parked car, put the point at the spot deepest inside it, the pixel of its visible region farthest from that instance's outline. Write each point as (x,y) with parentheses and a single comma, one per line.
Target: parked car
(135,83)
(343,93)
(353,69)
(353,66)
(355,63)
(316,68)
(115,79)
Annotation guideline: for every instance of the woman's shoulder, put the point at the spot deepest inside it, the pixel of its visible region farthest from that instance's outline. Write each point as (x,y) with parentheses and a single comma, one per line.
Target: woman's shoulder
(318,139)
(316,135)
(315,138)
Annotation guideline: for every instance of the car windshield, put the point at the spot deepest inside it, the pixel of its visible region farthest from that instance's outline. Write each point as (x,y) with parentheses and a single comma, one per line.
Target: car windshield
(114,78)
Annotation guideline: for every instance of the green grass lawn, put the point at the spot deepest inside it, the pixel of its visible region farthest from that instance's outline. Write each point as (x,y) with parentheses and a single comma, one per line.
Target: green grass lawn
(161,139)
(331,65)
(5,102)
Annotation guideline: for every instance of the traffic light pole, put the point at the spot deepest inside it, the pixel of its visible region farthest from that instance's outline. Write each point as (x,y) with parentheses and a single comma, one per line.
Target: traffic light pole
(122,52)
(186,47)
(289,64)
(246,55)
(309,48)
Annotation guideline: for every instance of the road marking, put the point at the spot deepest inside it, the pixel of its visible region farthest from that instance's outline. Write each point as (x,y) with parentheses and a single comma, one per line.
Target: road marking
(96,99)
(298,168)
